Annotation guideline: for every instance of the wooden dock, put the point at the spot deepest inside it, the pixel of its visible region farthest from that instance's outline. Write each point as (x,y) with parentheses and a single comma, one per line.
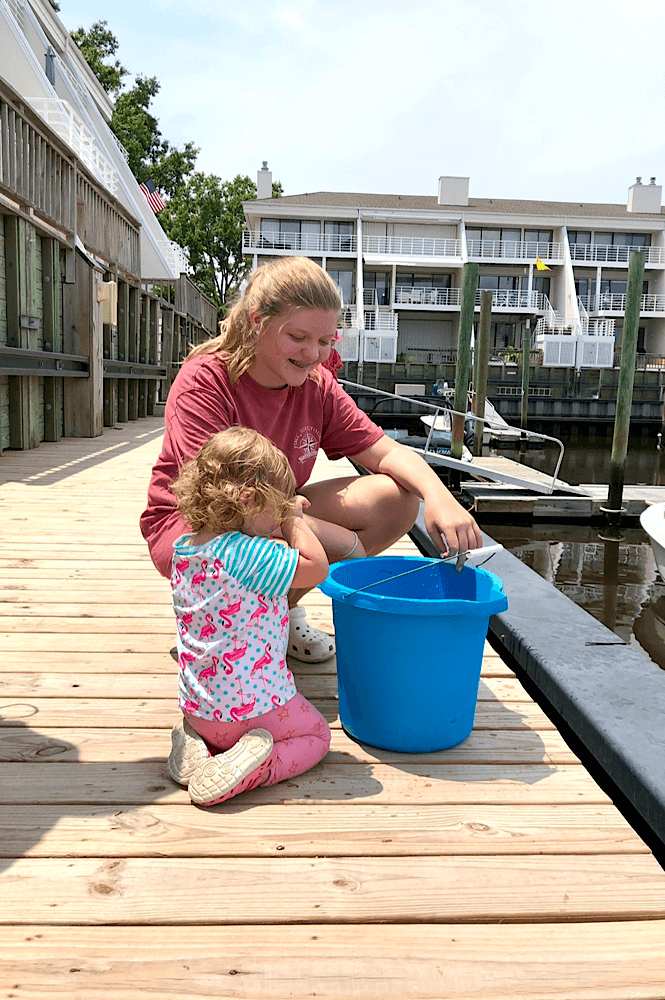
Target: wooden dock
(490,871)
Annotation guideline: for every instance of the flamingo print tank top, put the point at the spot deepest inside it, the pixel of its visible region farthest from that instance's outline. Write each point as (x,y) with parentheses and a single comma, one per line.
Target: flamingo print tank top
(230,601)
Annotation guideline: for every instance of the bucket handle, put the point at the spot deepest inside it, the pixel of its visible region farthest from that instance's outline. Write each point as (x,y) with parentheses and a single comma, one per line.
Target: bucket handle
(459,558)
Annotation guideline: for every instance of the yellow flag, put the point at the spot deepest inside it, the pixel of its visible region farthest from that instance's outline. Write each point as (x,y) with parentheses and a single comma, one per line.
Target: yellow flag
(541,266)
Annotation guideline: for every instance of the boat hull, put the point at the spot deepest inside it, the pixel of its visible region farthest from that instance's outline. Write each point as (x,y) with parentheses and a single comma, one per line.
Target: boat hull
(653,522)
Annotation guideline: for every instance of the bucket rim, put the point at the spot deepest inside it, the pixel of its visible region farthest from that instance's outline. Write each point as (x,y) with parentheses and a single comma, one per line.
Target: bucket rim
(495,602)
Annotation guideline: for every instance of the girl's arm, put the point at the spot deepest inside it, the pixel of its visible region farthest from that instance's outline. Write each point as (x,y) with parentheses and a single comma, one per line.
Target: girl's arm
(449,525)
(312,562)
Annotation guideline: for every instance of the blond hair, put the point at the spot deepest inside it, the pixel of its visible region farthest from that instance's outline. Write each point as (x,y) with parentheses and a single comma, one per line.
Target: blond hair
(237,471)
(274,289)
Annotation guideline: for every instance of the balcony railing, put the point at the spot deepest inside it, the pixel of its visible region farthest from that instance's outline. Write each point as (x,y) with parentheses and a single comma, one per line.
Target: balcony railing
(601,253)
(451,298)
(373,320)
(612,302)
(412,246)
(409,295)
(59,116)
(305,243)
(514,250)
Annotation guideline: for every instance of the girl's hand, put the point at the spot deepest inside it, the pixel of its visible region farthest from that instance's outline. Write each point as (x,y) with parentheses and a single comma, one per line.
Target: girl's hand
(300,505)
(450,526)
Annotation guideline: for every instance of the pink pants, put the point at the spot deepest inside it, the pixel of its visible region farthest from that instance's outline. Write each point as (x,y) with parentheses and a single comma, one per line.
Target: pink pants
(301,739)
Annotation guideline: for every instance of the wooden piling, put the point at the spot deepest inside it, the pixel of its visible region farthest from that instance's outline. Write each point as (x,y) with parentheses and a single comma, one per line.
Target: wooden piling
(625,386)
(469,288)
(526,354)
(481,367)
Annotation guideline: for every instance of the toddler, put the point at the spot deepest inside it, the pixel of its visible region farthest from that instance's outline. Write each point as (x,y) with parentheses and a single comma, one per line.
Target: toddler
(244,723)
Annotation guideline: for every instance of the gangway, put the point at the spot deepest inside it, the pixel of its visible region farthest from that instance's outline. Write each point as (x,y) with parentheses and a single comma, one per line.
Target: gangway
(531,481)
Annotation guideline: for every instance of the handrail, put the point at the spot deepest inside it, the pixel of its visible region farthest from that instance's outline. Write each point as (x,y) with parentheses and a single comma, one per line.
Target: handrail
(610,254)
(483,420)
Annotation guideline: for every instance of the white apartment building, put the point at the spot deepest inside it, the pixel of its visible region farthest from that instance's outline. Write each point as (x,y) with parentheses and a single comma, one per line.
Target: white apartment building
(560,267)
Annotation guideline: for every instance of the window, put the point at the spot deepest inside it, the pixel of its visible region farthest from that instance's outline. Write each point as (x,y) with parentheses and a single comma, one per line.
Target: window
(379,280)
(537,235)
(494,242)
(345,283)
(290,234)
(409,280)
(502,335)
(579,236)
(538,284)
(499,282)
(339,236)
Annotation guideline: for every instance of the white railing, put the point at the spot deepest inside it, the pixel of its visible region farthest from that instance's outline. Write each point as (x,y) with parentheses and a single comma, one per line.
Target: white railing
(306,243)
(603,253)
(451,297)
(60,117)
(412,246)
(409,295)
(506,299)
(514,250)
(600,328)
(175,256)
(373,320)
(613,302)
(17,8)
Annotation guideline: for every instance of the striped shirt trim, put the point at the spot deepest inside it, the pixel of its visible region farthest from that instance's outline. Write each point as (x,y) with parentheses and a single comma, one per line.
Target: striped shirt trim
(260,564)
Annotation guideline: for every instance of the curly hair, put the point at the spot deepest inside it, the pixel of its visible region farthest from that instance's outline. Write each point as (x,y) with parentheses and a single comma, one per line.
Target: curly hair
(274,289)
(237,471)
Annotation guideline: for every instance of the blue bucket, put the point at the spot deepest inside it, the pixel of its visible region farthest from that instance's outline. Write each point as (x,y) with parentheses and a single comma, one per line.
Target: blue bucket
(410,650)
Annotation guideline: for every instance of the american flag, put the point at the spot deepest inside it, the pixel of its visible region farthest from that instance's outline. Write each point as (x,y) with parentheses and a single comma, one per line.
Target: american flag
(153,195)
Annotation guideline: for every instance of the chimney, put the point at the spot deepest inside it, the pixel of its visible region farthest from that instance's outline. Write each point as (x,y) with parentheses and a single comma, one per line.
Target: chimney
(645,198)
(264,182)
(454,191)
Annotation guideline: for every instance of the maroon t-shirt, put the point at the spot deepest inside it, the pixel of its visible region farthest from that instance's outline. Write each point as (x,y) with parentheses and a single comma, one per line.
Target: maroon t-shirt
(202,401)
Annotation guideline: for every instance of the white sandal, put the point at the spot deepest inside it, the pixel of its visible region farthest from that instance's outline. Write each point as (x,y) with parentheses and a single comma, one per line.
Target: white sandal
(223,772)
(306,643)
(188,753)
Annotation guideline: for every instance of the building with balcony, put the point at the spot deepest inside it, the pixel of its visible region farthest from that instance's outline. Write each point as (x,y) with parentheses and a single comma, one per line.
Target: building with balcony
(558,268)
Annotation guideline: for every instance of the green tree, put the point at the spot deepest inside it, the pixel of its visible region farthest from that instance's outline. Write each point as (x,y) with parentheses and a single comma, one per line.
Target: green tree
(96,46)
(55,5)
(206,218)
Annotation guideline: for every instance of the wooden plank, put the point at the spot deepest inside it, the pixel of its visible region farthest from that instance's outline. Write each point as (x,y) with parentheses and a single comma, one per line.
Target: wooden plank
(38,683)
(163,712)
(312,831)
(145,782)
(613,960)
(329,890)
(84,744)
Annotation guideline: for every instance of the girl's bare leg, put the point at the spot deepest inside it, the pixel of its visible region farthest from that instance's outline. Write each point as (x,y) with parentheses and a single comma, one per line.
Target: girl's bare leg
(377,508)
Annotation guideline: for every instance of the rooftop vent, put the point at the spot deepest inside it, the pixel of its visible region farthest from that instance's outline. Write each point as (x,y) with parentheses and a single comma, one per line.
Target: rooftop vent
(264,182)
(645,198)
(454,191)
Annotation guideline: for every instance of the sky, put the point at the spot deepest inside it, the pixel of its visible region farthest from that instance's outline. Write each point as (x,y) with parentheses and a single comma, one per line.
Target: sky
(548,101)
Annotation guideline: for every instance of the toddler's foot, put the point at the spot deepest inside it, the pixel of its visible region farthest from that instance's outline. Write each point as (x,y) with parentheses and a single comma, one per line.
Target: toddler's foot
(188,753)
(306,643)
(220,774)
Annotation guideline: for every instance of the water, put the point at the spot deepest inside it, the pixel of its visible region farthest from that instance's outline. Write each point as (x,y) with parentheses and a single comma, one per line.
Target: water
(587,459)
(616,582)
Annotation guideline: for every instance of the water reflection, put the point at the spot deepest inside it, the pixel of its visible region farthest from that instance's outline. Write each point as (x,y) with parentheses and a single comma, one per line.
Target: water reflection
(612,576)
(587,460)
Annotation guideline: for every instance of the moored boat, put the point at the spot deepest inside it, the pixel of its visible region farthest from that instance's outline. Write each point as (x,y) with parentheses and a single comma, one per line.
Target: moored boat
(653,521)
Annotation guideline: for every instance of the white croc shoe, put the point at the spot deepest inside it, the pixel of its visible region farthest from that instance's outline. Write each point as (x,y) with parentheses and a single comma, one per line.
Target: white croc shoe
(223,772)
(188,753)
(307,643)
